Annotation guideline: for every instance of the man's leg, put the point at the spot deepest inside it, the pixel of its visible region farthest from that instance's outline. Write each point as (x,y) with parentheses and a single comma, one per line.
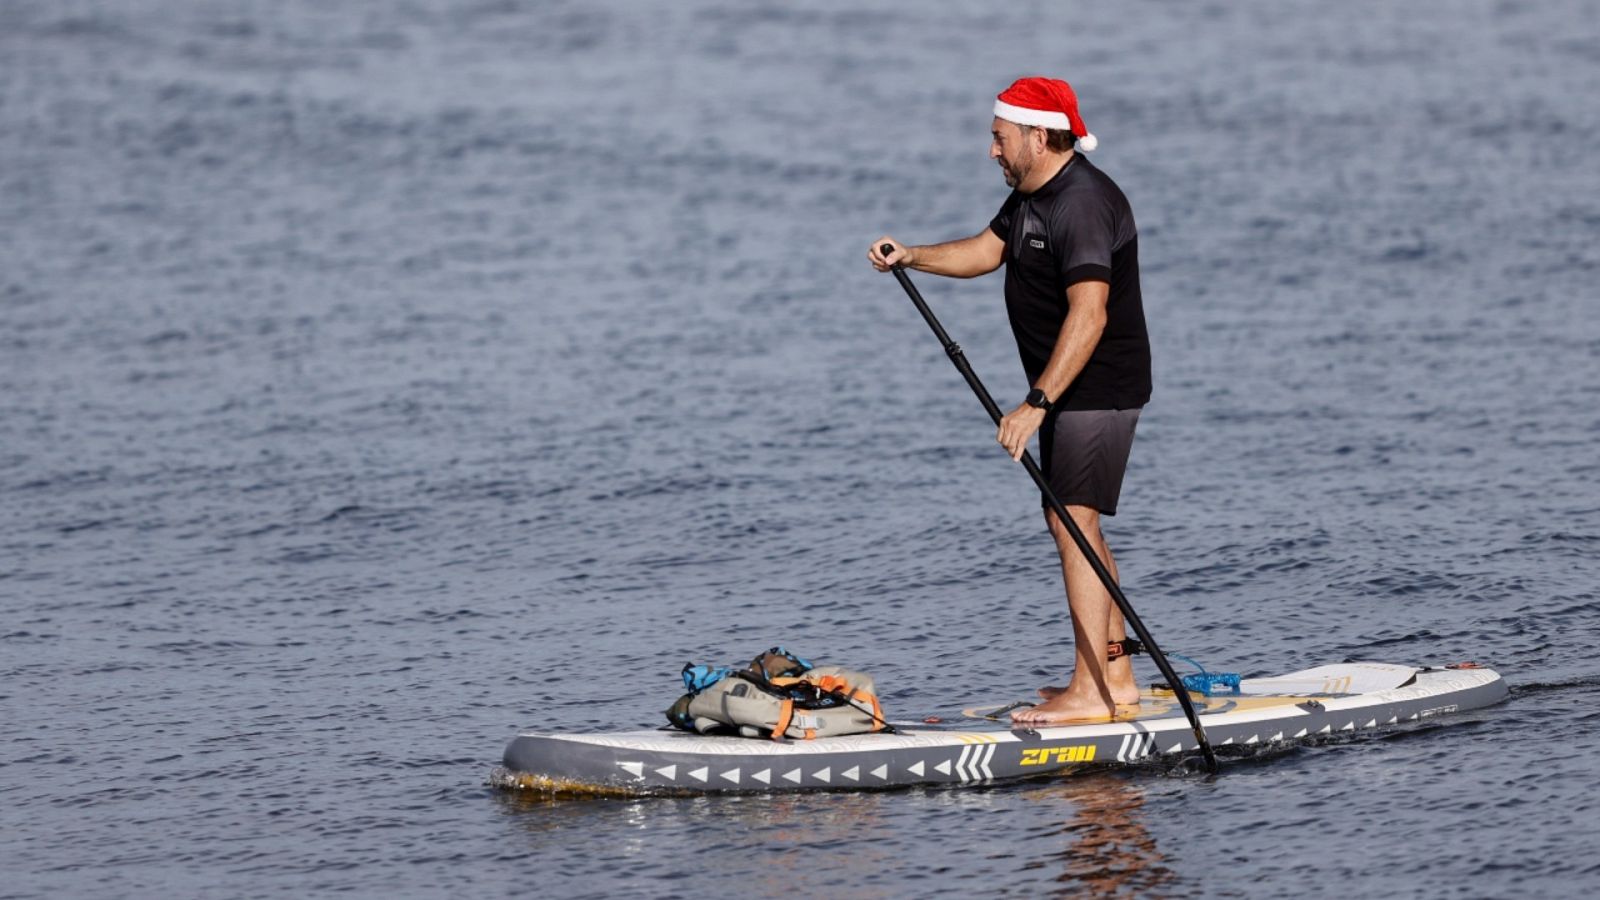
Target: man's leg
(1124,690)
(1097,686)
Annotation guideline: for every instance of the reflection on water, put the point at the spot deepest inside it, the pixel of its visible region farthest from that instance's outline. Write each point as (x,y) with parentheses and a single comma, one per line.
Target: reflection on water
(1107,849)
(732,842)
(786,817)
(1087,836)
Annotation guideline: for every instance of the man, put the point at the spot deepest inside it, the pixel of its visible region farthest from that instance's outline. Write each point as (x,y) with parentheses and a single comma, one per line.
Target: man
(1066,236)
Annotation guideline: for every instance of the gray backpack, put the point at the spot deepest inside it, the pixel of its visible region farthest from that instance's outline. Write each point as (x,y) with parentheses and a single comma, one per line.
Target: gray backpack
(781,696)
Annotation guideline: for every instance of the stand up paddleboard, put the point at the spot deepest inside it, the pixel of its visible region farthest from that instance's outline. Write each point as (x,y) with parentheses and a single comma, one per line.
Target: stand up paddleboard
(1327,700)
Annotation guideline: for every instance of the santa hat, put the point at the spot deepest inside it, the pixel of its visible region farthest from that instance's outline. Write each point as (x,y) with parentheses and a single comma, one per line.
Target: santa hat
(1044,103)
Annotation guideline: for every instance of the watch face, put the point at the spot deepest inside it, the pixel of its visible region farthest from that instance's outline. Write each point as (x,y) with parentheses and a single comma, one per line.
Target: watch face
(1036,399)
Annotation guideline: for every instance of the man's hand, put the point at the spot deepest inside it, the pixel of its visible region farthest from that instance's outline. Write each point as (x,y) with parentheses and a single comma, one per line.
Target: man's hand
(1017,426)
(901,254)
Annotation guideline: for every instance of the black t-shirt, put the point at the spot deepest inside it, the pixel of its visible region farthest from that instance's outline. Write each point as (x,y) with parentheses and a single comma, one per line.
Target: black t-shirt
(1077,227)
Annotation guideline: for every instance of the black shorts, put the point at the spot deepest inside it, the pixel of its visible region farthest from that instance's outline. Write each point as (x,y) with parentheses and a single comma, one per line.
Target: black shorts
(1084,453)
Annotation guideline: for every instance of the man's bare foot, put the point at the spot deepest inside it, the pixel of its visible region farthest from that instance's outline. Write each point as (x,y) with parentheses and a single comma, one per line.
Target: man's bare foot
(1065,707)
(1122,695)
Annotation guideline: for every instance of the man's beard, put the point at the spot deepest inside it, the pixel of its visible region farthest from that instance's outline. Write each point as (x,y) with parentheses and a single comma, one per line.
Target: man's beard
(1015,173)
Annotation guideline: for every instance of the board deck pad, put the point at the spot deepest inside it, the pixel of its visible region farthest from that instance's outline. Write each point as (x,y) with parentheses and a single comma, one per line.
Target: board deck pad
(1327,700)
(1345,678)
(1323,681)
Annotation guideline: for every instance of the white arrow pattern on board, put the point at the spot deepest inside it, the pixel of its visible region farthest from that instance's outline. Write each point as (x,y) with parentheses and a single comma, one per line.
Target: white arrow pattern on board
(973,764)
(961,764)
(1136,746)
(983,761)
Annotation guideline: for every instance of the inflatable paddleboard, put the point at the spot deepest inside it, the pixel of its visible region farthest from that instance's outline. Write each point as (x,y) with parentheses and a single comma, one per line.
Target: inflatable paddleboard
(1328,700)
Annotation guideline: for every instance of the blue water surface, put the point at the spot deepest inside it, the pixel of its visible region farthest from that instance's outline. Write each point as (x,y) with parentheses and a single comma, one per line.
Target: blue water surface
(380,379)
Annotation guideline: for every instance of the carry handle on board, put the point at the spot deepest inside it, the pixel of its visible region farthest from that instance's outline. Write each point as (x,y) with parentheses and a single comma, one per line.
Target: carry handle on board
(953,350)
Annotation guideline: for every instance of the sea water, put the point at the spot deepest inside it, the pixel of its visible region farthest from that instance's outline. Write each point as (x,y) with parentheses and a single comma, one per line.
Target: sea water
(380,379)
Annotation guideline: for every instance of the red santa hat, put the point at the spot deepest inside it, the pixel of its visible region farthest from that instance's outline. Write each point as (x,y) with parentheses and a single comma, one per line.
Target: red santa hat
(1044,103)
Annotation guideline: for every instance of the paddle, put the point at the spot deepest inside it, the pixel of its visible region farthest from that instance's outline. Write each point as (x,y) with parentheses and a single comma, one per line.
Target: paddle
(956,356)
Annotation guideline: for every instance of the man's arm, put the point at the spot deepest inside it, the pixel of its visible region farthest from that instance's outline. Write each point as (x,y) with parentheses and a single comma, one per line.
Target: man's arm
(1080,334)
(967,258)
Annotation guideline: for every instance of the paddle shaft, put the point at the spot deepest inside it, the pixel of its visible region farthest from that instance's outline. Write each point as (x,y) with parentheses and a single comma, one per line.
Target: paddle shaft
(953,350)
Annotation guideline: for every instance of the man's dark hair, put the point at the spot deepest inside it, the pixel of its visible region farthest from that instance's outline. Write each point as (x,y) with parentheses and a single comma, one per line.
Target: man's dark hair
(1058,140)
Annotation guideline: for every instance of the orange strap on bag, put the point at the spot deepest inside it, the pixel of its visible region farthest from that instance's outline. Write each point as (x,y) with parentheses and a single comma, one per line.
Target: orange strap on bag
(838,685)
(785,713)
(831,683)
(877,713)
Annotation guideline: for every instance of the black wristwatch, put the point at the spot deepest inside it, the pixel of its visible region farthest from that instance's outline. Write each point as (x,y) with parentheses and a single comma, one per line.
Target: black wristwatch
(1038,400)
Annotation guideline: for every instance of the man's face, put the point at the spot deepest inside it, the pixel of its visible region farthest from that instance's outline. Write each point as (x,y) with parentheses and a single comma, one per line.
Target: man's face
(1011,147)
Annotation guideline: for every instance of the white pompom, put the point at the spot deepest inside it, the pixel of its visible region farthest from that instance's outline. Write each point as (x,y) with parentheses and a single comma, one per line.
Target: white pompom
(1087,143)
